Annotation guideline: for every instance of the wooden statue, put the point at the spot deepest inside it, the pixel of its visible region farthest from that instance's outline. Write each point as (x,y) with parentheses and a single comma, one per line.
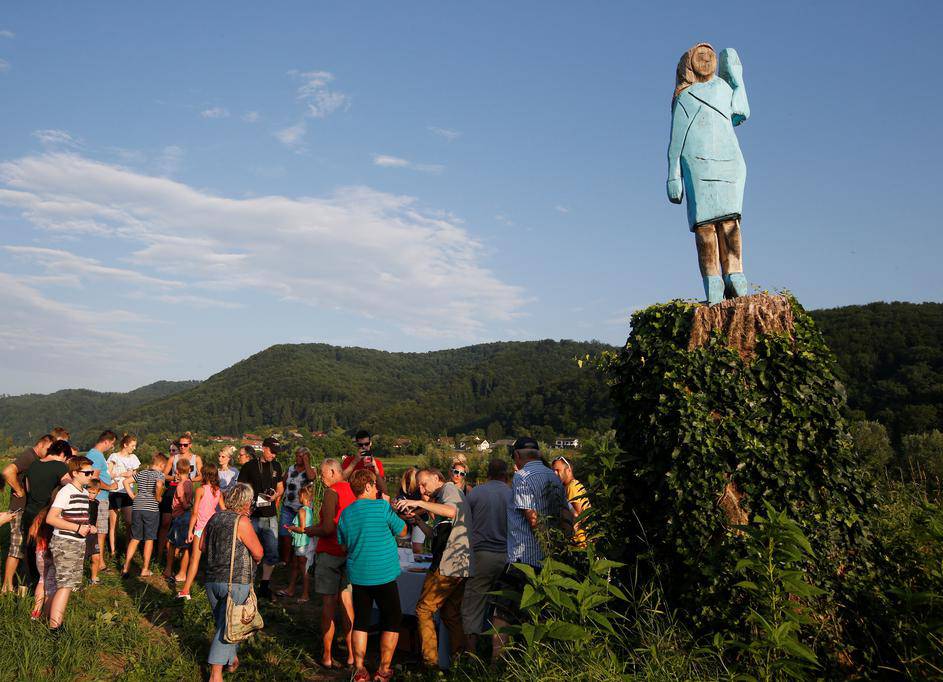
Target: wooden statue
(705,164)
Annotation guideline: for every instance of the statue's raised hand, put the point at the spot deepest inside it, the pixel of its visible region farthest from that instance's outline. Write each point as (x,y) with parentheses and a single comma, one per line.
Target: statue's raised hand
(729,67)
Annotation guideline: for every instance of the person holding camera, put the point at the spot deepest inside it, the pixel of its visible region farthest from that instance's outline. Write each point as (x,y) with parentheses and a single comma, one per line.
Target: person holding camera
(265,476)
(363,459)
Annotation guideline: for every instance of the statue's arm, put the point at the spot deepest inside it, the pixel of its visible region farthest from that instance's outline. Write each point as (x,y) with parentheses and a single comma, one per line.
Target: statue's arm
(731,70)
(679,129)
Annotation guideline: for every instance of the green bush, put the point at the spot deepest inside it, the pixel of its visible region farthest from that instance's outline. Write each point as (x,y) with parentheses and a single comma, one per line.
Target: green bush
(694,423)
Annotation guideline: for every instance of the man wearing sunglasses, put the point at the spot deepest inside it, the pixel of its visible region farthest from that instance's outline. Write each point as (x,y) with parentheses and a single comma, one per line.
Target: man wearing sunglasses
(364,459)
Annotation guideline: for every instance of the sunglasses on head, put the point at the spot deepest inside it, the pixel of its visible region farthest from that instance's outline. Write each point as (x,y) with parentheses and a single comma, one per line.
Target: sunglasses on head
(564,460)
(459,472)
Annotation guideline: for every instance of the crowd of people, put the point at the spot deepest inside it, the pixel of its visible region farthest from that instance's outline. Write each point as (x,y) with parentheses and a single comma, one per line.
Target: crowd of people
(66,508)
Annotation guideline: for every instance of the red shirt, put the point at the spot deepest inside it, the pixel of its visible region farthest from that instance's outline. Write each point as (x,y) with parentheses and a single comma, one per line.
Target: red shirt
(362,465)
(328,543)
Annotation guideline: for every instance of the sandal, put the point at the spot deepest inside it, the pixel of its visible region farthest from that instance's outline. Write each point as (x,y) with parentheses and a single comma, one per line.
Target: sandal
(360,675)
(383,677)
(333,665)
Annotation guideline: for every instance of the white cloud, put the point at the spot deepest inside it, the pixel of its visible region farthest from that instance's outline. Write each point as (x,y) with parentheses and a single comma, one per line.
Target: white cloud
(314,90)
(59,262)
(7,34)
(387,161)
(4,65)
(293,136)
(378,255)
(251,117)
(56,138)
(449,135)
(561,209)
(43,339)
(504,220)
(215,112)
(169,159)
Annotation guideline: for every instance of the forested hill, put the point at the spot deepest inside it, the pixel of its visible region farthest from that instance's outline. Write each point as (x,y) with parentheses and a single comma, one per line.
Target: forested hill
(76,409)
(890,358)
(891,361)
(517,384)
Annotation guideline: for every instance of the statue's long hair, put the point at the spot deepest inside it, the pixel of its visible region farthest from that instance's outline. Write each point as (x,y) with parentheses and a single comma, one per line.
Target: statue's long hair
(686,75)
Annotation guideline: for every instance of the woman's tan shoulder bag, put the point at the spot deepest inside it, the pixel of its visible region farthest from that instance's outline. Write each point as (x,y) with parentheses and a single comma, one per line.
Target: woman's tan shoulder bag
(242,620)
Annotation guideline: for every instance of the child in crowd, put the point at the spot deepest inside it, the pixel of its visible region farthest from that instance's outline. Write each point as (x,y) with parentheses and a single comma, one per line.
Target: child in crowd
(92,550)
(304,517)
(145,514)
(177,544)
(68,515)
(40,533)
(208,498)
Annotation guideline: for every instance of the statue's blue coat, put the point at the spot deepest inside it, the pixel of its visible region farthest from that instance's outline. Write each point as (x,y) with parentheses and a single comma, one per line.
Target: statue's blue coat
(704,155)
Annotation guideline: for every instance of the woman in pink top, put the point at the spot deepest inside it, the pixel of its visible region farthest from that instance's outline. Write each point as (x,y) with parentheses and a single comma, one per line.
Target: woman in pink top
(208,498)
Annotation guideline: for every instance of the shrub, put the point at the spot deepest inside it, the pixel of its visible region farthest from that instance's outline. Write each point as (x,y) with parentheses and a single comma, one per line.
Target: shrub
(708,432)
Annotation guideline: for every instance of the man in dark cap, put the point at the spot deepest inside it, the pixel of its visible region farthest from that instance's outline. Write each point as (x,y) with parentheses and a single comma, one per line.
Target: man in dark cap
(537,499)
(265,476)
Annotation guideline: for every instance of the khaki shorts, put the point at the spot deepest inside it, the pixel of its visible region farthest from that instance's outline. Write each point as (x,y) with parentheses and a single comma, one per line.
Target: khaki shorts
(68,556)
(330,574)
(102,521)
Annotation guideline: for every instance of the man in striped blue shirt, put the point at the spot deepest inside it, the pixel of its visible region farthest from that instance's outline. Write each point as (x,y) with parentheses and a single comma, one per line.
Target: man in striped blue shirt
(537,499)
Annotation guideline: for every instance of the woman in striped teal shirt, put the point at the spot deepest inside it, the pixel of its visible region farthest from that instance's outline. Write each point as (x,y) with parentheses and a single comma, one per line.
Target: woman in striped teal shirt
(368,528)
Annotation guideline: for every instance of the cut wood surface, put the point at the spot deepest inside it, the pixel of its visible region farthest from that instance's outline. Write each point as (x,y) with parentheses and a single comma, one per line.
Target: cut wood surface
(741,320)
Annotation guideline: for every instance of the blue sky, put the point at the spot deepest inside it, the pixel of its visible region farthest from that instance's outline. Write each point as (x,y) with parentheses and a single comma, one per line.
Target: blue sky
(185,184)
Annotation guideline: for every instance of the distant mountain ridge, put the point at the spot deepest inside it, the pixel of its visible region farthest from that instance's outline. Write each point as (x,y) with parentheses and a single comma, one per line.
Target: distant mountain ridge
(517,384)
(890,358)
(78,409)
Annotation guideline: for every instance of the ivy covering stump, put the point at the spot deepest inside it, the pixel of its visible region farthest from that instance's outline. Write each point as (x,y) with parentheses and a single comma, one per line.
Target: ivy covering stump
(720,409)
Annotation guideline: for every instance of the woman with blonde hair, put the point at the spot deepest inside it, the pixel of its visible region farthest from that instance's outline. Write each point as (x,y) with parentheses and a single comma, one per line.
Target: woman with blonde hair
(409,490)
(228,475)
(458,473)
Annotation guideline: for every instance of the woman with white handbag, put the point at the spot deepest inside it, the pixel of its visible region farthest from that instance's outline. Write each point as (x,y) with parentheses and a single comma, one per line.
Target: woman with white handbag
(232,551)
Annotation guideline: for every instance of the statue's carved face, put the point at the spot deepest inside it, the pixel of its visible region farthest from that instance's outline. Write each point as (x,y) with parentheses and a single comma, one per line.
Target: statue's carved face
(703,62)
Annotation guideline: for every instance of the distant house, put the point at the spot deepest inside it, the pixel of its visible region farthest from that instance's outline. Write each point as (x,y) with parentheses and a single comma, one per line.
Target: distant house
(401,443)
(483,446)
(252,440)
(567,443)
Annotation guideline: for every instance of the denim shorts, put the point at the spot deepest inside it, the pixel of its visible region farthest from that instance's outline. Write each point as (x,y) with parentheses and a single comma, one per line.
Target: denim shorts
(144,524)
(266,529)
(179,528)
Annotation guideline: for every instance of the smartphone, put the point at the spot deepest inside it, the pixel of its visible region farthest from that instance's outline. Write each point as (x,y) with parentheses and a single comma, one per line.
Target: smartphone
(368,459)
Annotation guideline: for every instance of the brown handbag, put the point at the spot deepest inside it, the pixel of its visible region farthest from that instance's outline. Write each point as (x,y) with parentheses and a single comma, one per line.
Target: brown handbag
(242,620)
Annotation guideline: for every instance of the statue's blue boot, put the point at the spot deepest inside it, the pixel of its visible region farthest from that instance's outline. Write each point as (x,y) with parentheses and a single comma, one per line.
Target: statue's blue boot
(714,289)
(737,283)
